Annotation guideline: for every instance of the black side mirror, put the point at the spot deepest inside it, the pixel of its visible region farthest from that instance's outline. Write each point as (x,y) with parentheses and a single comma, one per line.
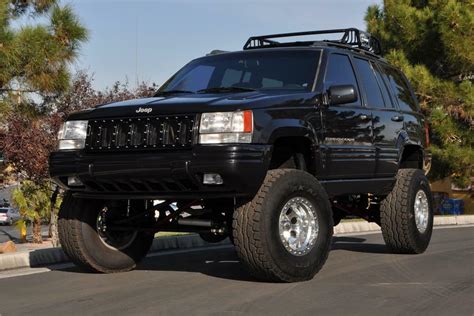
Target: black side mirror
(342,94)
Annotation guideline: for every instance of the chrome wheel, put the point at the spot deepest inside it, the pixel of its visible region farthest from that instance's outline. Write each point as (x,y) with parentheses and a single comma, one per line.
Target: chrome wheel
(298,226)
(113,239)
(421,208)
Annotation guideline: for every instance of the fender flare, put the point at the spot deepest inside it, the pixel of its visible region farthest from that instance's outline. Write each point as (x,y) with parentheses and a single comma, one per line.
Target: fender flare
(294,131)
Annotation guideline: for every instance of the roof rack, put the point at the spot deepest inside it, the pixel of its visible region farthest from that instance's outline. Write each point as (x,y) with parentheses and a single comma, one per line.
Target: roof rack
(351,38)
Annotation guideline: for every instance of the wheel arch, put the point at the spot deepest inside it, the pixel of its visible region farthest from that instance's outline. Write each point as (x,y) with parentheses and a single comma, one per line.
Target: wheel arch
(293,148)
(411,156)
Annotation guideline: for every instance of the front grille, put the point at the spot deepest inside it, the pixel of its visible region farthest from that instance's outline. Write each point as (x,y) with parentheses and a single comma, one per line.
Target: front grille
(140,133)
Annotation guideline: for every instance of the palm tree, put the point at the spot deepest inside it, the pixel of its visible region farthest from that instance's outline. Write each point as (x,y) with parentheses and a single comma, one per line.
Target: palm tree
(34,202)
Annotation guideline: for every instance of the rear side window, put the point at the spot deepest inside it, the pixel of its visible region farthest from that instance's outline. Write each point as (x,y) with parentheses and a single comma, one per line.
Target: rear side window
(370,84)
(400,89)
(383,86)
(339,72)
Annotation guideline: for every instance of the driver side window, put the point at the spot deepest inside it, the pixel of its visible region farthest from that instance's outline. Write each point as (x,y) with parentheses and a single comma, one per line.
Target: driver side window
(339,71)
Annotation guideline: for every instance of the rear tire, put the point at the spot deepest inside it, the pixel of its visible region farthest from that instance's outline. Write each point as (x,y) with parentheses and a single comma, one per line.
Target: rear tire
(80,239)
(257,227)
(406,214)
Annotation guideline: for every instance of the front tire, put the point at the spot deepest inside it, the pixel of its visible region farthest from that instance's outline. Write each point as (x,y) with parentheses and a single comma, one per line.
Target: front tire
(284,233)
(406,214)
(84,245)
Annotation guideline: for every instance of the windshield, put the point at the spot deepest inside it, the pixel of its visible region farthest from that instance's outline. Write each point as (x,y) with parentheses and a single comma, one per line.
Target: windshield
(272,70)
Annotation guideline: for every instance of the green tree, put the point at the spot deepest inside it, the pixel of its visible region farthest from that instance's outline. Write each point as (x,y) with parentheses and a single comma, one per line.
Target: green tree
(38,41)
(34,58)
(432,41)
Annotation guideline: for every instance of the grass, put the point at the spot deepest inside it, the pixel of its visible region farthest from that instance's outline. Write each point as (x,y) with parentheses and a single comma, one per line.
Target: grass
(348,220)
(168,234)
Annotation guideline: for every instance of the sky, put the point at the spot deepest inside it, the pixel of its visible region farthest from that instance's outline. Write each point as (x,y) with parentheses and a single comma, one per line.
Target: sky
(149,40)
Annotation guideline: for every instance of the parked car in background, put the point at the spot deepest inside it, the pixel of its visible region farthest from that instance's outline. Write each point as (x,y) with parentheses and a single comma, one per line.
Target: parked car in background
(8,215)
(4,203)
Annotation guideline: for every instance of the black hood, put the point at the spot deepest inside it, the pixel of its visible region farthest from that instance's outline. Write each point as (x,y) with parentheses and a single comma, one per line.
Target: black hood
(194,103)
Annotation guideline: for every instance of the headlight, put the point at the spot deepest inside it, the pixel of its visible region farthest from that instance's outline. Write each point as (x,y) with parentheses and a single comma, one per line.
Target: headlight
(72,135)
(226,127)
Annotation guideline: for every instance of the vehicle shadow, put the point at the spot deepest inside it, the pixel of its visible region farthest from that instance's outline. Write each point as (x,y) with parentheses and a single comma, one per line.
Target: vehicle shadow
(40,258)
(223,262)
(357,244)
(220,262)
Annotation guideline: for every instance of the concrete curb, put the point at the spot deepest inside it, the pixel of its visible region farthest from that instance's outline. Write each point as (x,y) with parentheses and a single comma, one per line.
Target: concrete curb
(363,226)
(355,227)
(48,256)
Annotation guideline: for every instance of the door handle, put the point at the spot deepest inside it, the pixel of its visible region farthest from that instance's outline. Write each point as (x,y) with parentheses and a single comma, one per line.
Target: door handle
(397,118)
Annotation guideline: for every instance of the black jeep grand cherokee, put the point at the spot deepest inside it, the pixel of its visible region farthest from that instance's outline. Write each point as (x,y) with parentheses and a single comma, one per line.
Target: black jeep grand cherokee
(270,146)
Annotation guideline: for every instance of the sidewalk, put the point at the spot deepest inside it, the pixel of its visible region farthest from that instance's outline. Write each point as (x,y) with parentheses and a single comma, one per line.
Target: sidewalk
(31,255)
(360,226)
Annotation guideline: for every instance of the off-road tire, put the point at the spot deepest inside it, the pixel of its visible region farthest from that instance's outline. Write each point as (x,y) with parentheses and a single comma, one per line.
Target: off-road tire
(397,218)
(256,230)
(81,242)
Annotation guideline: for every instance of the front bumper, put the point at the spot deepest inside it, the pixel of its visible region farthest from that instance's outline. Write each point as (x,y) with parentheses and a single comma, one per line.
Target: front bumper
(163,175)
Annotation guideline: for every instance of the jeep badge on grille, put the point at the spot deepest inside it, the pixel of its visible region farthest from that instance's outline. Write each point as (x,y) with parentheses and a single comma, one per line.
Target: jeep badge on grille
(144,110)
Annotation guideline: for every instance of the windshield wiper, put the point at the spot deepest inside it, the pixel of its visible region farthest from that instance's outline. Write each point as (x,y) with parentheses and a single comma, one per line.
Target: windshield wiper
(166,92)
(225,89)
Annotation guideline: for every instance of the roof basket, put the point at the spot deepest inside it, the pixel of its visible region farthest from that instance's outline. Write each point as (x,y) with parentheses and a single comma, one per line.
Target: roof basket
(351,37)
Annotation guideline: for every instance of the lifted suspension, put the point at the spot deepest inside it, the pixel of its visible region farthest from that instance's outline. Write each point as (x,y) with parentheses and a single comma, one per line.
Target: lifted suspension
(169,219)
(366,207)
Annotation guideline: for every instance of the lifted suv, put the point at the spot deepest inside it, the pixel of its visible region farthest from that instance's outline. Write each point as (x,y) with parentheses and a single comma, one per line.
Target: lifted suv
(270,146)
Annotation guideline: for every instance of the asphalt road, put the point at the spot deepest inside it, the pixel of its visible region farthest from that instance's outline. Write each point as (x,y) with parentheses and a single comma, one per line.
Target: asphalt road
(359,278)
(12,233)
(9,233)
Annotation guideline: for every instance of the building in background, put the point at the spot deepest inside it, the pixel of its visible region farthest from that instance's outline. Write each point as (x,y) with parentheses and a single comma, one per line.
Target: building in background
(450,199)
